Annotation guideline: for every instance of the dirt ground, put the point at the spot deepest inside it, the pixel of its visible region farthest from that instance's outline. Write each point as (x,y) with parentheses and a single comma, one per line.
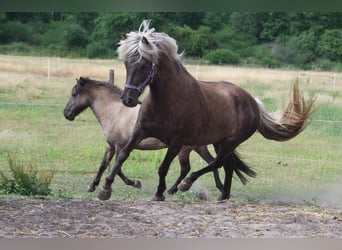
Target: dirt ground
(76,218)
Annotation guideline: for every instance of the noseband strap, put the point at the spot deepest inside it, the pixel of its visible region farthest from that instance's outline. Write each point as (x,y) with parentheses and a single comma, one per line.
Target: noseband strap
(142,86)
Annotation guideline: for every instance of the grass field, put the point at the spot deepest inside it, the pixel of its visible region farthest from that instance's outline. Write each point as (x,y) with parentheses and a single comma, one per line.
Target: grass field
(34,91)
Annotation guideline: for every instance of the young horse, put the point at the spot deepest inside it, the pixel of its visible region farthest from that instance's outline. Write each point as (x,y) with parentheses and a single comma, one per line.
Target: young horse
(117,122)
(180,110)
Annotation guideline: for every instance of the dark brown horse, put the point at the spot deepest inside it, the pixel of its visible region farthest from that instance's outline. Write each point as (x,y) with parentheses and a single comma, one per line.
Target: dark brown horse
(117,122)
(180,110)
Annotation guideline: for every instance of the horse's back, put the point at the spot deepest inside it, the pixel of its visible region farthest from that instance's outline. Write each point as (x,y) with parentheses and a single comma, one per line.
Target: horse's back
(229,108)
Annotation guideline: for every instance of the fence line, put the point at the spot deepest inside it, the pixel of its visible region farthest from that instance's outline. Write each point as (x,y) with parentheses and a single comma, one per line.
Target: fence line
(262,156)
(292,158)
(61,104)
(30,104)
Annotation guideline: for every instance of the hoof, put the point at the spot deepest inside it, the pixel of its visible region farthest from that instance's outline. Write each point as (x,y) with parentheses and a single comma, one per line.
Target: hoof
(185,185)
(172,191)
(104,194)
(137,184)
(158,198)
(91,188)
(223,198)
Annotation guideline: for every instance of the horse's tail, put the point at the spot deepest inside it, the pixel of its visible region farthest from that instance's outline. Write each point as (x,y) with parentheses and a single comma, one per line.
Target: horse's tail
(240,166)
(293,120)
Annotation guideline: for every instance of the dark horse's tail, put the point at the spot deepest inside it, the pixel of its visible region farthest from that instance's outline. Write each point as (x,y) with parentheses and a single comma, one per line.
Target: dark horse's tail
(293,120)
(240,167)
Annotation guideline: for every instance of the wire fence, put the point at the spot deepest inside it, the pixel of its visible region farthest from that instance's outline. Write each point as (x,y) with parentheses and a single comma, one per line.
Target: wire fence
(327,81)
(92,122)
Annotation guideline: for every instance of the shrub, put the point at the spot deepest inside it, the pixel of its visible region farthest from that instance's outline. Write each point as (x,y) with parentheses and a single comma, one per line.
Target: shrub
(24,180)
(222,56)
(15,48)
(324,64)
(15,32)
(263,56)
(74,36)
(98,50)
(330,44)
(193,42)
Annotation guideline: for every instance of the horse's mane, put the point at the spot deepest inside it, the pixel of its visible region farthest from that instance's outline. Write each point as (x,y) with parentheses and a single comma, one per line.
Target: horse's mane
(157,43)
(92,83)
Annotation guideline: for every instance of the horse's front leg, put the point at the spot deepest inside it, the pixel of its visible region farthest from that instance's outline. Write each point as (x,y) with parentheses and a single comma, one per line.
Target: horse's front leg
(125,179)
(183,157)
(109,153)
(121,157)
(171,153)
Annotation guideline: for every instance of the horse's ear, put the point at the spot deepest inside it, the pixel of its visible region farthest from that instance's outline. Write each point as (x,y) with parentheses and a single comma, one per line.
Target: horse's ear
(144,40)
(123,37)
(82,80)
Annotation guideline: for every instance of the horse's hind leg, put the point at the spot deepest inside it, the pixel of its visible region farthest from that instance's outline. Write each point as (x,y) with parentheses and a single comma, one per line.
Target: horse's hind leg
(223,150)
(183,157)
(171,153)
(109,153)
(129,182)
(228,169)
(205,154)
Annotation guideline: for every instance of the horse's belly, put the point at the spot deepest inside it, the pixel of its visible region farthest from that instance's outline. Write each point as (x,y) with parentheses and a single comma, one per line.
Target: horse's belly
(151,144)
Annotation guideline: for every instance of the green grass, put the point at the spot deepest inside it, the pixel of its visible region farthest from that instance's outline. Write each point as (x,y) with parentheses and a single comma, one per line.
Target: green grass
(33,130)
(24,180)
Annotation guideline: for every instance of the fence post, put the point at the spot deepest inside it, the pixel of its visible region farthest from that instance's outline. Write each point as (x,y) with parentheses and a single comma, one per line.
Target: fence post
(334,82)
(111,76)
(48,68)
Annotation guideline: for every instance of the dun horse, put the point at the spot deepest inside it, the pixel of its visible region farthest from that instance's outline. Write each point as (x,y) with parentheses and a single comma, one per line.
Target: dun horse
(180,110)
(117,122)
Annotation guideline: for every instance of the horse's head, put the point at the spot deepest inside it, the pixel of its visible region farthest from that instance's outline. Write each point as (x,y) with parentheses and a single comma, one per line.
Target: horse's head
(138,75)
(141,52)
(78,101)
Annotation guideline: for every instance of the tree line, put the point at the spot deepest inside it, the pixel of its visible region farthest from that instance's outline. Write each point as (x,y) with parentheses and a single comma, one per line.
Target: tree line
(303,40)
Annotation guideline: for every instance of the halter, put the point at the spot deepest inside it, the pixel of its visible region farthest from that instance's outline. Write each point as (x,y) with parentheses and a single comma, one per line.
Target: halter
(142,86)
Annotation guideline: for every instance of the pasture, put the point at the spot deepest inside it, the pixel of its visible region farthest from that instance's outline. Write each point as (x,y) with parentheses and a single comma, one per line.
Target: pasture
(34,91)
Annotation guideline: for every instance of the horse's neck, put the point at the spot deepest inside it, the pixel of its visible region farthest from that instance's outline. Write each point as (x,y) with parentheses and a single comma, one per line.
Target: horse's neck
(171,81)
(105,109)
(116,120)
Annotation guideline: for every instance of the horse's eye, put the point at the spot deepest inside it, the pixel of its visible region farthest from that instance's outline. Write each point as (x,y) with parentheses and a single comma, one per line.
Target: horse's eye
(74,92)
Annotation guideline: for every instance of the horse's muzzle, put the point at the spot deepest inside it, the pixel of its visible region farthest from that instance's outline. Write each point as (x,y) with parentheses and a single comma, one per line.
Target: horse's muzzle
(68,116)
(130,97)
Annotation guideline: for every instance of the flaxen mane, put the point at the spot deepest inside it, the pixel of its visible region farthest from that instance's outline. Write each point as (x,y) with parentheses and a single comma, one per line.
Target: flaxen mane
(156,43)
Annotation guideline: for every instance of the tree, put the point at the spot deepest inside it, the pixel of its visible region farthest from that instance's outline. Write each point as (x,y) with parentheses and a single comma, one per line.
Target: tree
(216,20)
(110,27)
(248,23)
(74,36)
(193,42)
(276,24)
(330,44)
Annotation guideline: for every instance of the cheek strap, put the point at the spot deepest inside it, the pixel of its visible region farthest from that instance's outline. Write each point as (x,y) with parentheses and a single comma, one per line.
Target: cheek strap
(142,86)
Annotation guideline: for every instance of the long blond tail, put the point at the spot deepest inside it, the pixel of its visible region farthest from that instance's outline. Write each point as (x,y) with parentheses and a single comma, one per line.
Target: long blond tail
(293,120)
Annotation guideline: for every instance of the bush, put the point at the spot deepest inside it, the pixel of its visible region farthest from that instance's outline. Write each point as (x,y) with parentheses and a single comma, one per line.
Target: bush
(262,56)
(24,180)
(74,36)
(98,50)
(15,32)
(15,48)
(222,56)
(53,35)
(330,44)
(193,42)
